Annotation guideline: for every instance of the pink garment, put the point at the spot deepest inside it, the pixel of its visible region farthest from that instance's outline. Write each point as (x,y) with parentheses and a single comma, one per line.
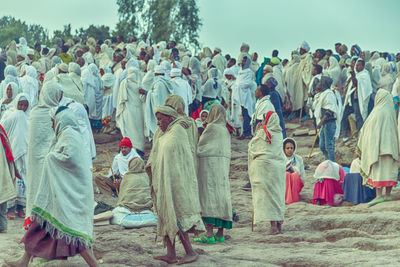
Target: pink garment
(326,191)
(294,184)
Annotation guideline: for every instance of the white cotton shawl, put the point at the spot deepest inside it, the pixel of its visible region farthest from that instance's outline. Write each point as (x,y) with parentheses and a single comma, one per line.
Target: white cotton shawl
(183,89)
(148,78)
(333,71)
(159,92)
(16,124)
(30,85)
(386,81)
(129,113)
(296,161)
(327,170)
(263,105)
(364,90)
(121,163)
(325,100)
(281,87)
(244,84)
(64,200)
(40,136)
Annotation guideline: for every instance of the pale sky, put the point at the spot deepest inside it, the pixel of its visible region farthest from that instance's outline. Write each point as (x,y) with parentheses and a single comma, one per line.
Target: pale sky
(263,24)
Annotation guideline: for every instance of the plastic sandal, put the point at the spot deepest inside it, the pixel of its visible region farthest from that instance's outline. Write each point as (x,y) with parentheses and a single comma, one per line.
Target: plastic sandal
(219,239)
(388,198)
(205,240)
(375,201)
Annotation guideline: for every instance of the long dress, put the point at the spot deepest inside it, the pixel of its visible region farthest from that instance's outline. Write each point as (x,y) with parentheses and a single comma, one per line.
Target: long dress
(214,155)
(129,114)
(267,172)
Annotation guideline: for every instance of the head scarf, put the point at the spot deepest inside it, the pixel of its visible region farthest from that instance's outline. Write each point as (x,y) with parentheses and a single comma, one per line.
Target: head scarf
(305,46)
(74,68)
(217,114)
(247,64)
(55,60)
(275,61)
(194,65)
(175,72)
(167,110)
(357,50)
(159,69)
(273,82)
(14,88)
(50,95)
(325,82)
(327,170)
(176,102)
(11,57)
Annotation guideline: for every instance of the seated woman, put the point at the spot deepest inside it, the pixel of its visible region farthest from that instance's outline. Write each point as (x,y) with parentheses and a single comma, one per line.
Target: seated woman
(294,171)
(134,191)
(329,179)
(354,190)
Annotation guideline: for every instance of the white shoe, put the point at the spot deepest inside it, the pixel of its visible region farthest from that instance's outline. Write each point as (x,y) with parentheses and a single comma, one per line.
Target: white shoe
(344,140)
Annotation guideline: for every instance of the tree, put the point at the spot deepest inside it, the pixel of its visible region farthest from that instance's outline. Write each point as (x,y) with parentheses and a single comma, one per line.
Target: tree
(63,34)
(101,32)
(160,20)
(11,28)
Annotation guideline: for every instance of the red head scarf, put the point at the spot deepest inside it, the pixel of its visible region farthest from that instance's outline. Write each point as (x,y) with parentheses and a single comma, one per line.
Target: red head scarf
(6,144)
(125,142)
(265,126)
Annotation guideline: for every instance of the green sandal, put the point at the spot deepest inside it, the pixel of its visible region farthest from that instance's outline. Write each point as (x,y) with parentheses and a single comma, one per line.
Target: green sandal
(376,201)
(204,239)
(219,239)
(388,198)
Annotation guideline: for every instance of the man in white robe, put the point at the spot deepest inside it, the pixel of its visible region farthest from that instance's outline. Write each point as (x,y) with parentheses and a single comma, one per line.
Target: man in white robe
(364,89)
(218,60)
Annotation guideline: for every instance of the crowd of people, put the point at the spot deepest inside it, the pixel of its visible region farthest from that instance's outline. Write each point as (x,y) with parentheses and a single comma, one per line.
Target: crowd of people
(55,100)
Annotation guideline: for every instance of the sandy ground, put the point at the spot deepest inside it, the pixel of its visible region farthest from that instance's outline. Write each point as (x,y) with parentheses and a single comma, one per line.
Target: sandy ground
(313,235)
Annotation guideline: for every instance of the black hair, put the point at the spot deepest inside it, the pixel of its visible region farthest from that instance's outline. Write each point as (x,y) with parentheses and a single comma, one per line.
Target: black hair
(37,44)
(265,90)
(329,51)
(174,50)
(338,44)
(289,141)
(232,59)
(64,48)
(142,53)
(173,42)
(318,68)
(275,53)
(227,57)
(362,62)
(121,37)
(45,50)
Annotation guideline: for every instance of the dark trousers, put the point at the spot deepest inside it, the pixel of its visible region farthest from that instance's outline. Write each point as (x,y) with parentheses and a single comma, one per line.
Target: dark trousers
(246,122)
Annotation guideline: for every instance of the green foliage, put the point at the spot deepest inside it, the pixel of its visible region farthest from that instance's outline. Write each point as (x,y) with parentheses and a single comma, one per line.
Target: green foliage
(63,34)
(160,20)
(11,28)
(101,32)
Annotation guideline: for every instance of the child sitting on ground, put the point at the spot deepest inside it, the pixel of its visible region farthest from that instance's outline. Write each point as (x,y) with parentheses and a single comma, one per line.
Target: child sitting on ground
(294,171)
(120,166)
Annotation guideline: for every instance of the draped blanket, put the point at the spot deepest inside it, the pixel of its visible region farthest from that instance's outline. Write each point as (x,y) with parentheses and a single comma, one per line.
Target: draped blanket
(64,200)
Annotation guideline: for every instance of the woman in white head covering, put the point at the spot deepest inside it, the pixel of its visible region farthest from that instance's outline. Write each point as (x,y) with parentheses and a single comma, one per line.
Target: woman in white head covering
(129,114)
(333,70)
(148,78)
(39,141)
(105,56)
(211,90)
(30,85)
(74,71)
(15,122)
(63,206)
(96,114)
(10,75)
(195,67)
(89,86)
(10,92)
(386,81)
(378,147)
(108,82)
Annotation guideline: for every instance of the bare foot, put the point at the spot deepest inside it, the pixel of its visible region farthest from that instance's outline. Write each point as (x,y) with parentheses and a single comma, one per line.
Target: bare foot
(188,259)
(13,264)
(166,258)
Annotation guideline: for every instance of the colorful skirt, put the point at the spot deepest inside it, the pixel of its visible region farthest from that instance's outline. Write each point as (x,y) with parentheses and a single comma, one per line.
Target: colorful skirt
(40,243)
(324,192)
(294,184)
(218,223)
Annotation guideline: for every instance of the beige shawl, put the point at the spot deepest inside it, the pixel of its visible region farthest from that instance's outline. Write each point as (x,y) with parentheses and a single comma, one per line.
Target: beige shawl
(134,191)
(267,172)
(173,181)
(379,136)
(214,155)
(7,174)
